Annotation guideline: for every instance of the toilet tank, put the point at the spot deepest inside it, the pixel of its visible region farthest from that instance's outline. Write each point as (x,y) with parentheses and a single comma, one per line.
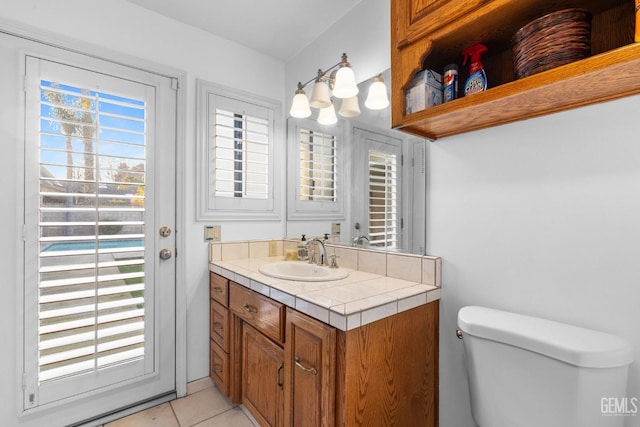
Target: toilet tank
(529,372)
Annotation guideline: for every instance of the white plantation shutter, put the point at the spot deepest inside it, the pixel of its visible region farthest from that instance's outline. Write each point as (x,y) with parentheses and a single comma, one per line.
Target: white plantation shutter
(318,163)
(383,199)
(91,265)
(241,155)
(239,136)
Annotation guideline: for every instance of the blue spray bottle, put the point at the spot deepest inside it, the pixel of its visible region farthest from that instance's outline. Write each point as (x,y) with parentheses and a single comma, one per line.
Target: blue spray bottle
(477,80)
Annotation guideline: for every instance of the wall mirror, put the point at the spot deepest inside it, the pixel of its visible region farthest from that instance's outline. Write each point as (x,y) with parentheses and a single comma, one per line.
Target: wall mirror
(359,173)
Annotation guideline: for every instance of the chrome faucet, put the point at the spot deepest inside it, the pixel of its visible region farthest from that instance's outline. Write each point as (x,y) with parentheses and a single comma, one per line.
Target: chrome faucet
(322,260)
(358,240)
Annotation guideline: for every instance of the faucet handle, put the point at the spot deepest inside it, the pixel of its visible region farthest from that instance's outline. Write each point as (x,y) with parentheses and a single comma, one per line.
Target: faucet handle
(333,263)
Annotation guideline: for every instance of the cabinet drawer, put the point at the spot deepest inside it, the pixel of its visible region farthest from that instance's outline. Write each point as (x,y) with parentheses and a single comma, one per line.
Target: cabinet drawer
(219,368)
(219,288)
(219,325)
(261,312)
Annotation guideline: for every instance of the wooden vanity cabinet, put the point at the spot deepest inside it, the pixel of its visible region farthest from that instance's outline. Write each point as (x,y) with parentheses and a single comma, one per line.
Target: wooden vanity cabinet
(291,370)
(429,34)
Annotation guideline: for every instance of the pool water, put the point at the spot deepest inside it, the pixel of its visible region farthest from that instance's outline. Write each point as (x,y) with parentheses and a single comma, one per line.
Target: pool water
(84,246)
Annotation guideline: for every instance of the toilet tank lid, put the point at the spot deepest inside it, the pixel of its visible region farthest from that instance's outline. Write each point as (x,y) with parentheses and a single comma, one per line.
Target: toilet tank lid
(571,344)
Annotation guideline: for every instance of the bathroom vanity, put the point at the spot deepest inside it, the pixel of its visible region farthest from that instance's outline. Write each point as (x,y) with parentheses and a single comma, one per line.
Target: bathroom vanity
(289,368)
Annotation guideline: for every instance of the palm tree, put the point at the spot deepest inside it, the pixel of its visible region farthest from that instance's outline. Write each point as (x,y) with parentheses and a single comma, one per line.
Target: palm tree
(75,118)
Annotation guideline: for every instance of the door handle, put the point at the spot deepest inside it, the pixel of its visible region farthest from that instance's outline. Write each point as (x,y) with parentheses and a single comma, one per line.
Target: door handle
(312,371)
(165,254)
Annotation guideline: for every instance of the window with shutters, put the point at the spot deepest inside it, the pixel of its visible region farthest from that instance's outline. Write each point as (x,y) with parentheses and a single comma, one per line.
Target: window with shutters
(383,199)
(239,137)
(315,163)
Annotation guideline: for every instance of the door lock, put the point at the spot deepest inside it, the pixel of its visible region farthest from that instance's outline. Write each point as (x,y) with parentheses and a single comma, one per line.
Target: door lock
(165,231)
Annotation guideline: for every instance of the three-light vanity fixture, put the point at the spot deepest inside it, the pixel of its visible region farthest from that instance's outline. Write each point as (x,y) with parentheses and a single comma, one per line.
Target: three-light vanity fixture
(342,83)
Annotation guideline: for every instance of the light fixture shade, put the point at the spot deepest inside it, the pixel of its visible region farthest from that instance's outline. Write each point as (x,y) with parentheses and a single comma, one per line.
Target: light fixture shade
(327,116)
(350,107)
(377,98)
(300,106)
(320,97)
(345,85)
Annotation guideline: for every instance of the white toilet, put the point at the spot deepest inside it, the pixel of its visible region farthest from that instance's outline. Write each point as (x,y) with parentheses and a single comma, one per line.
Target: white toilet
(530,372)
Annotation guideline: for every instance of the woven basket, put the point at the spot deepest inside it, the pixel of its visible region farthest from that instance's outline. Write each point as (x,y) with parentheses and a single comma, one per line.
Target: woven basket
(550,41)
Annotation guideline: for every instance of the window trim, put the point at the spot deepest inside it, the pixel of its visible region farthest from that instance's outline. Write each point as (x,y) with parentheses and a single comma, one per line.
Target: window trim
(210,207)
(313,209)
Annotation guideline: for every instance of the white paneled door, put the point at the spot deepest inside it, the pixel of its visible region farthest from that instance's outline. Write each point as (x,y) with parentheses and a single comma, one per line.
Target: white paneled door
(380,164)
(99,299)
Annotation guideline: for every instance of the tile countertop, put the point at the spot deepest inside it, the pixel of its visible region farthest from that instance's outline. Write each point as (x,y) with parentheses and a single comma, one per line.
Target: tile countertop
(345,304)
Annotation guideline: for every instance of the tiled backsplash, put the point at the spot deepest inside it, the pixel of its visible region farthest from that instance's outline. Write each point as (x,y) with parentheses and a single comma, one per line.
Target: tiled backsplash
(414,268)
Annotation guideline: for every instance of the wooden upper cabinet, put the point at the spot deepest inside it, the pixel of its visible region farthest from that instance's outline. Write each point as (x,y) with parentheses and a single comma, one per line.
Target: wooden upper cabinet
(310,360)
(429,34)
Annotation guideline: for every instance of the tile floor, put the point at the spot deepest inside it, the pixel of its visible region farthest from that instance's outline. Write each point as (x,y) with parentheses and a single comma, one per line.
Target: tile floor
(204,406)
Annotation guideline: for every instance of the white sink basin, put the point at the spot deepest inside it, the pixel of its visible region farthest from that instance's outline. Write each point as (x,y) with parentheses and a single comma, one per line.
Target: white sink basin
(302,271)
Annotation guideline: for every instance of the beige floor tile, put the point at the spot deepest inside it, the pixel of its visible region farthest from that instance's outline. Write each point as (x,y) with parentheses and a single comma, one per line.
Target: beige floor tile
(197,385)
(232,418)
(200,406)
(158,416)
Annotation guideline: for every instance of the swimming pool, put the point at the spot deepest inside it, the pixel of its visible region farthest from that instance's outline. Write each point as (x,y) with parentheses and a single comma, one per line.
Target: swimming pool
(91,246)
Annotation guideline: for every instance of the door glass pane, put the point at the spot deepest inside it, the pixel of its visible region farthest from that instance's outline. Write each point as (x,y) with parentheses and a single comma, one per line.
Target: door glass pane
(91,230)
(383,199)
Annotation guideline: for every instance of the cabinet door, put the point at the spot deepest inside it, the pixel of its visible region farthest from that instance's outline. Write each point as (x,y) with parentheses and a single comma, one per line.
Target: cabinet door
(262,365)
(310,358)
(413,19)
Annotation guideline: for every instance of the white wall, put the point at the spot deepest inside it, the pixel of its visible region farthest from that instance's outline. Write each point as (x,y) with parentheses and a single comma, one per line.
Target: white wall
(538,217)
(122,31)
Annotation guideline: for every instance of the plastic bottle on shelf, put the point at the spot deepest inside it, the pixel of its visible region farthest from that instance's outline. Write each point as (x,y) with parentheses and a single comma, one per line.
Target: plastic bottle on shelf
(477,80)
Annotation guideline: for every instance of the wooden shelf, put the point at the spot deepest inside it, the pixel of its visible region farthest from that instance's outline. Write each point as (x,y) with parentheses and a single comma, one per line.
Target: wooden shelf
(431,33)
(603,77)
